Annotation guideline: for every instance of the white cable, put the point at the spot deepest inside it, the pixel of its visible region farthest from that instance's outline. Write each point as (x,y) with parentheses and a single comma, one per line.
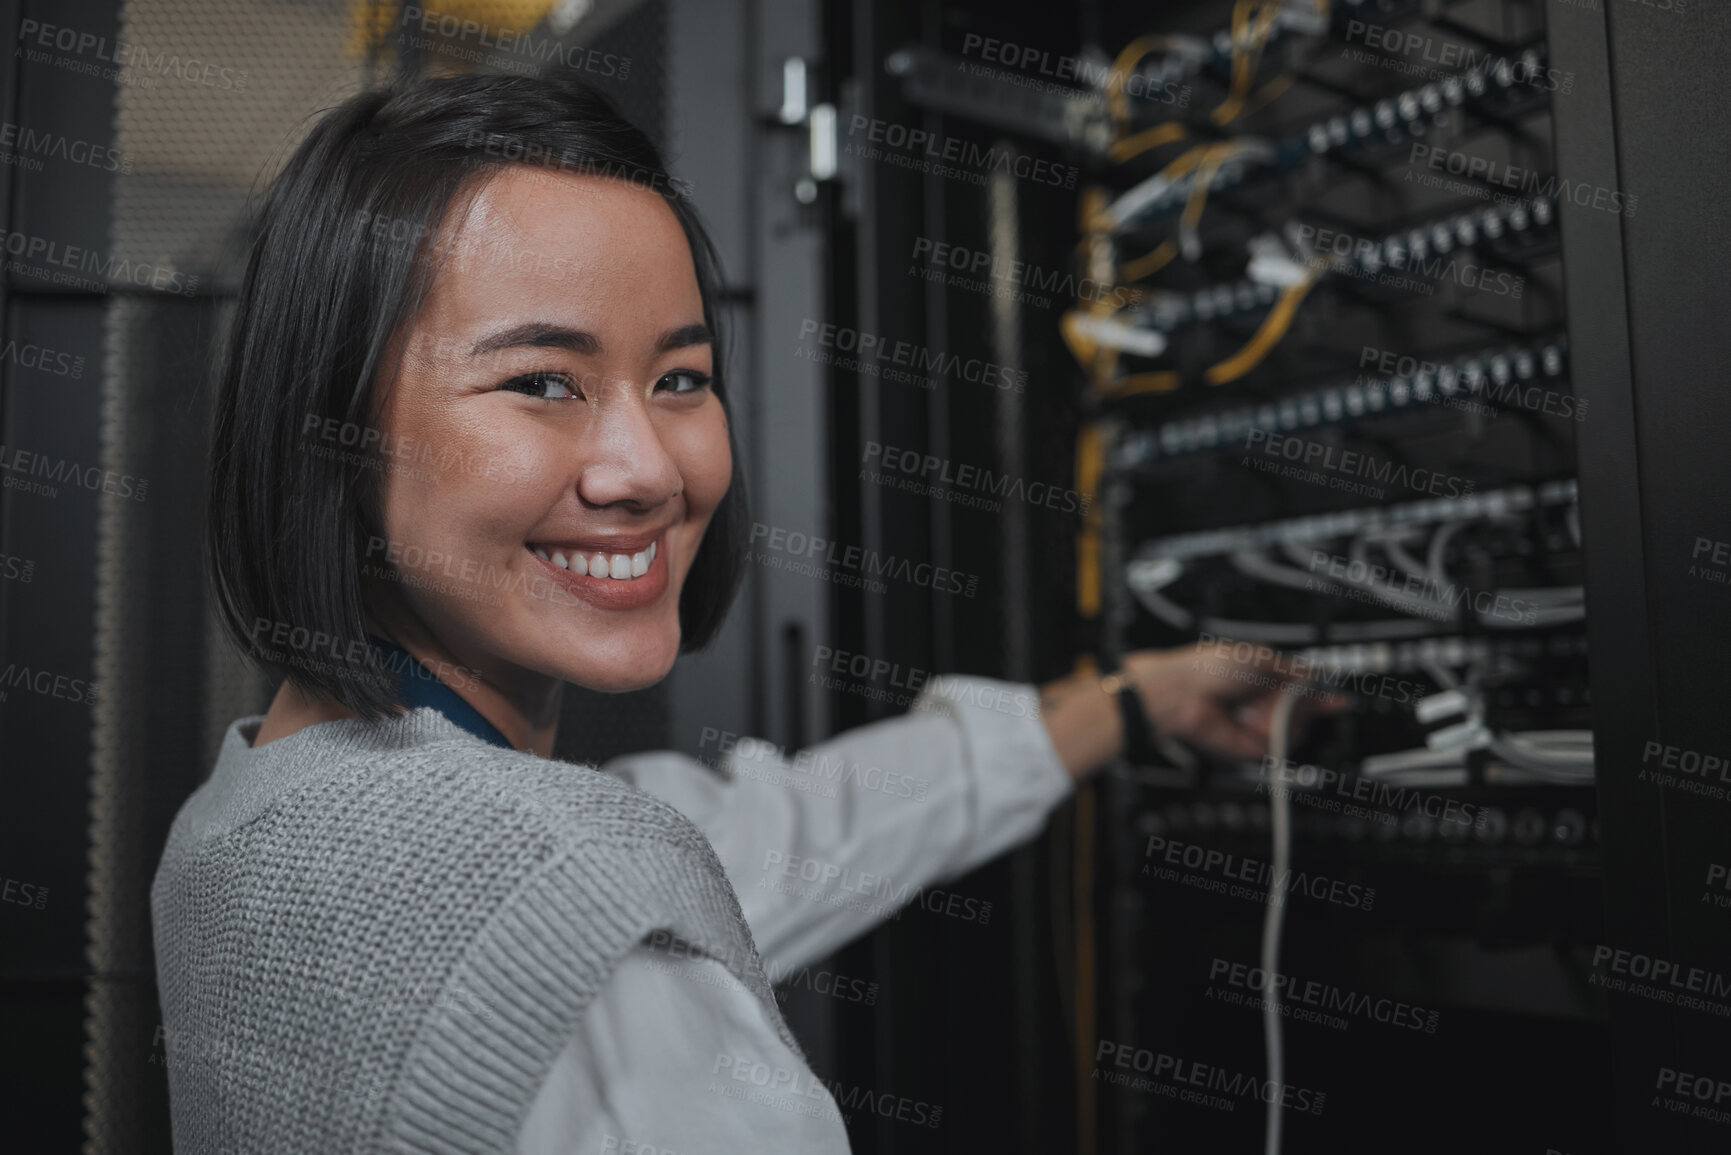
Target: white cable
(1403,761)
(1438,543)
(1260,566)
(1572,763)
(1439,673)
(1419,605)
(1244,149)
(1567,761)
(1395,547)
(1560,739)
(1136,199)
(1552,604)
(1549,616)
(1556,595)
(1147,575)
(1158,189)
(1274,918)
(1115,334)
(1477,506)
(1304,17)
(1270,263)
(1275,633)
(1146,591)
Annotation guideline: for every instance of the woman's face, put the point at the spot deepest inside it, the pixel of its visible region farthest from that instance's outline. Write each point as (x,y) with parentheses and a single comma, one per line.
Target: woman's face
(552,450)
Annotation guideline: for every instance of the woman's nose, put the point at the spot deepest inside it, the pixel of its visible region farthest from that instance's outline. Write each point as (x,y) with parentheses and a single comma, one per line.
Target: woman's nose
(624,458)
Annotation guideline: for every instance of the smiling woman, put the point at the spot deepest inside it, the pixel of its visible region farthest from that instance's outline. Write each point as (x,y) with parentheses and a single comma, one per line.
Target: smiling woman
(389,919)
(602,410)
(542,325)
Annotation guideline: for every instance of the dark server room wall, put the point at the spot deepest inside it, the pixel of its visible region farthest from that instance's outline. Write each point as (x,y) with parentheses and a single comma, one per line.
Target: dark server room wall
(1372,349)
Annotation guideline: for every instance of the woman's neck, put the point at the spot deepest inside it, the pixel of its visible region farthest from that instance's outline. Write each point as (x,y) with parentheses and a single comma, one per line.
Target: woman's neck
(292,711)
(522,705)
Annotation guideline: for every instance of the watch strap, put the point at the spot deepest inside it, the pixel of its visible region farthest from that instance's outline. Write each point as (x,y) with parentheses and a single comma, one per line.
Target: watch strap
(1139,748)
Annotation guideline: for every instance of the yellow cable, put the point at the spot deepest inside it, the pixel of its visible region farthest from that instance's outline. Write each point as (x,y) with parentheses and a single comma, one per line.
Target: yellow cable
(373,25)
(1203,181)
(1181,164)
(1090,462)
(1148,263)
(1155,260)
(1185,161)
(1240,13)
(1274,88)
(1206,159)
(1268,92)
(1199,186)
(1273,328)
(1082,347)
(1164,381)
(1259,38)
(1120,71)
(1245,62)
(1122,150)
(1098,361)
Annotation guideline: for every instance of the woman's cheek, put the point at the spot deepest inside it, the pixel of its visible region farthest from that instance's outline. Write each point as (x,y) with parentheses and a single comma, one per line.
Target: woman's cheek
(705,460)
(505,468)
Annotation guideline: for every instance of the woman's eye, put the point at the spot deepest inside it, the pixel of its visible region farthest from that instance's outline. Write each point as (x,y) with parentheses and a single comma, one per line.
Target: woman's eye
(685,381)
(547,386)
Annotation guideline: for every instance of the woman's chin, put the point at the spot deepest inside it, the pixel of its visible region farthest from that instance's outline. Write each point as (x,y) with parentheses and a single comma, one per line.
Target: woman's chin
(613,683)
(620,673)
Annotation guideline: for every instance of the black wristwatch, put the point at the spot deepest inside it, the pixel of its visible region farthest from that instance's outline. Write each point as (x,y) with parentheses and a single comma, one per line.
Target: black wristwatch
(1139,749)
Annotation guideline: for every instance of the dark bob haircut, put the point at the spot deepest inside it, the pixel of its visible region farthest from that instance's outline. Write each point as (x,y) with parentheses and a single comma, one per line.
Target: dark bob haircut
(290,517)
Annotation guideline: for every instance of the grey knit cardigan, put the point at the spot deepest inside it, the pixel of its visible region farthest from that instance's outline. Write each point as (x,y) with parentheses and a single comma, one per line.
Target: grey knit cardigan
(377,936)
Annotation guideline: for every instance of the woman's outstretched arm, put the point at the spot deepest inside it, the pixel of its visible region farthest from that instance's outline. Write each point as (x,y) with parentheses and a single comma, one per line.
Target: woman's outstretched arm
(823,844)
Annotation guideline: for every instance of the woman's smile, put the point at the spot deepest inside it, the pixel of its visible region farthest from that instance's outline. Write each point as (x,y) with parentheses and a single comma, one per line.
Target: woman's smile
(612,574)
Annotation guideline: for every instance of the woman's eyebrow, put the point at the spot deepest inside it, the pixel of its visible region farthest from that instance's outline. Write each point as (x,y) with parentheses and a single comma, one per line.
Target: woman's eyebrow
(542,335)
(684,337)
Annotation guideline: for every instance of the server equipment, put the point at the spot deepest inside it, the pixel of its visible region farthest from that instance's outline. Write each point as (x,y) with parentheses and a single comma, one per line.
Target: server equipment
(1344,360)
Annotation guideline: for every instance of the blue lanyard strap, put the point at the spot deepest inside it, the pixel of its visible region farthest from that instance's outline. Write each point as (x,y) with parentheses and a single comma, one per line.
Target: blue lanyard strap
(417,686)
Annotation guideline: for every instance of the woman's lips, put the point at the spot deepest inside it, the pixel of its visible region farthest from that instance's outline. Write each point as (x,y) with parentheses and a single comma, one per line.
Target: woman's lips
(642,574)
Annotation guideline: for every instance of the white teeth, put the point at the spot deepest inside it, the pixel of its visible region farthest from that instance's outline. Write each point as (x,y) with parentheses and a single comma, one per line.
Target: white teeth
(617,566)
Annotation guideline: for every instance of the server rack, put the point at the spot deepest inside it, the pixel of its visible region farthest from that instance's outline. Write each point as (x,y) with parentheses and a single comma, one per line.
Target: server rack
(1543,414)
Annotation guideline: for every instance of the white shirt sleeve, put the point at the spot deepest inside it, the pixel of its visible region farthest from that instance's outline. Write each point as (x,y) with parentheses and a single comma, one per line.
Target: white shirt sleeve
(820,845)
(677,1057)
(824,844)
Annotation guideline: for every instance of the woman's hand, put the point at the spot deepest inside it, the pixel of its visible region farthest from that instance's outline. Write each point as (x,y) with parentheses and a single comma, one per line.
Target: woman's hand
(1221,704)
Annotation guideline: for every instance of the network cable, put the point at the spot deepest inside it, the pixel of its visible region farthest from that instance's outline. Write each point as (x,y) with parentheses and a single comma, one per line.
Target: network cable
(1274,917)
